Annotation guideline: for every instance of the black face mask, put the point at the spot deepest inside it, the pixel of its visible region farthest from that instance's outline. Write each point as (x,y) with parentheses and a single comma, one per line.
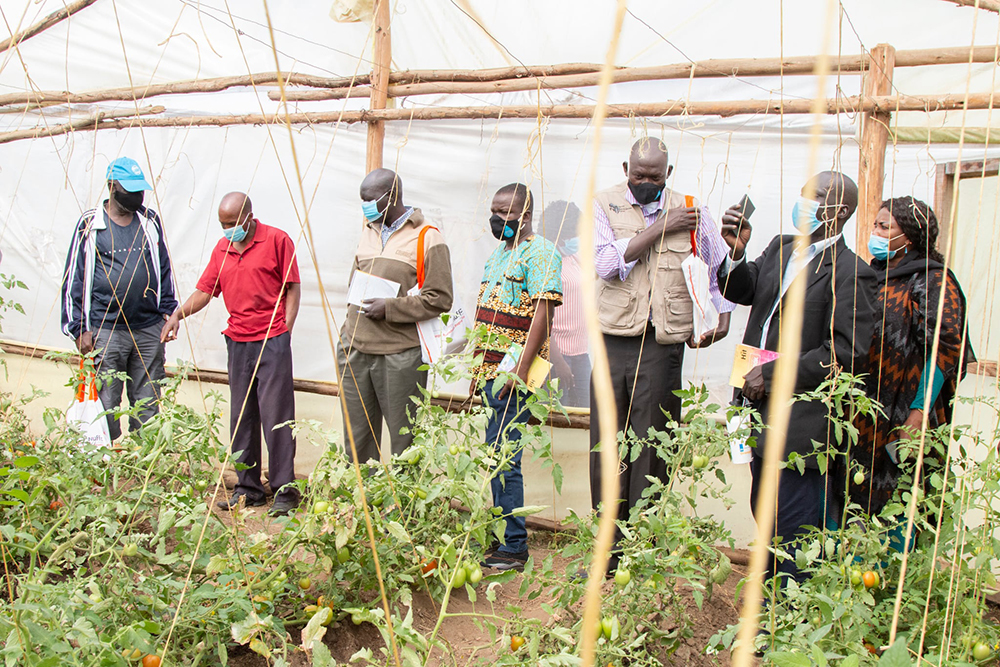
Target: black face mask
(130,201)
(646,193)
(503,229)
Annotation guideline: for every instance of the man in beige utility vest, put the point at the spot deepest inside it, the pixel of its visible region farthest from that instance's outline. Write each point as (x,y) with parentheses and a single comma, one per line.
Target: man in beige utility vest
(643,231)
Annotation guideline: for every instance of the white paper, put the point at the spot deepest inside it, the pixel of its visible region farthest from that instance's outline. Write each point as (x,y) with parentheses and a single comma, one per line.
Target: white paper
(366,286)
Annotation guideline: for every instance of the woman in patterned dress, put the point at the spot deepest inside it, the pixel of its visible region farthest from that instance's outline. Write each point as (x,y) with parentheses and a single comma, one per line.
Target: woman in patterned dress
(901,372)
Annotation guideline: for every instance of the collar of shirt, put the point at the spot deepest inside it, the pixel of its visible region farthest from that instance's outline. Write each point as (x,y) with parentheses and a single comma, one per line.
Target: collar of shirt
(818,247)
(388,231)
(647,209)
(259,233)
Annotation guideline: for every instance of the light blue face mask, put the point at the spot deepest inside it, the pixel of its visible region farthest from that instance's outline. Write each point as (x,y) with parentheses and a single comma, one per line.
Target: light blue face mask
(878,246)
(804,215)
(235,234)
(370,209)
(571,246)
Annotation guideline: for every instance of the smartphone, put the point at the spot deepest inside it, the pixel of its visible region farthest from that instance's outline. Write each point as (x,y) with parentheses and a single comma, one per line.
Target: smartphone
(746,206)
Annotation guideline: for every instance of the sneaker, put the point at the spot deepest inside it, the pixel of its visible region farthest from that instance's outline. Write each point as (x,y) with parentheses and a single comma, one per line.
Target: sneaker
(234,500)
(501,560)
(283,504)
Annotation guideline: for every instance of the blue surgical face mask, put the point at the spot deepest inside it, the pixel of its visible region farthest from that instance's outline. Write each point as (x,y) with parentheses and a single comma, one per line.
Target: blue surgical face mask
(235,234)
(571,246)
(878,246)
(370,209)
(804,215)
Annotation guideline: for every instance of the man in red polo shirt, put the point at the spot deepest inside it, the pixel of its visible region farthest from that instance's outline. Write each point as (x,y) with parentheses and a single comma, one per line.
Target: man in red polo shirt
(254,269)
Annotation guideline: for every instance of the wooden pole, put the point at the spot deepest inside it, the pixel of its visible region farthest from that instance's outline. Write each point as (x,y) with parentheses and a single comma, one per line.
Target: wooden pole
(382,64)
(90,122)
(874,139)
(46,23)
(449,82)
(989,5)
(831,105)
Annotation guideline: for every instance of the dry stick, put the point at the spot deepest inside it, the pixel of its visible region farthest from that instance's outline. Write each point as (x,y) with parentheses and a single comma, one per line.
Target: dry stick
(601,375)
(831,106)
(783,384)
(911,509)
(990,5)
(46,23)
(88,122)
(329,333)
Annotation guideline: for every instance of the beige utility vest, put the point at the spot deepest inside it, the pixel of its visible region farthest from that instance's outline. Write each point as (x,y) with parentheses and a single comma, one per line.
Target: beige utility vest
(655,285)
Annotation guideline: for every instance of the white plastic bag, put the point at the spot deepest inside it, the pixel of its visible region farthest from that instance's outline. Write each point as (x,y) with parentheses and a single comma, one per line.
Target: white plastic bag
(86,413)
(706,317)
(435,335)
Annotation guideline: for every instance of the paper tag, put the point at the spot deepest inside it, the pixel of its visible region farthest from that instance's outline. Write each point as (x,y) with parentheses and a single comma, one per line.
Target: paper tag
(739,450)
(748,357)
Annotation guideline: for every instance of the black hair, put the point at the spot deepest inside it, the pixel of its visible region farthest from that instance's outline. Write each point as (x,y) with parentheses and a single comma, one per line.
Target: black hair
(919,224)
(522,196)
(561,214)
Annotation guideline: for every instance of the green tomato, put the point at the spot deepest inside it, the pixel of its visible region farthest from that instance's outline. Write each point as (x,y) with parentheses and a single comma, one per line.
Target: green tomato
(608,626)
(458,577)
(201,485)
(130,549)
(305,583)
(699,462)
(321,507)
(859,478)
(981,651)
(435,394)
(453,450)
(622,577)
(475,575)
(420,493)
(356,619)
(855,577)
(343,555)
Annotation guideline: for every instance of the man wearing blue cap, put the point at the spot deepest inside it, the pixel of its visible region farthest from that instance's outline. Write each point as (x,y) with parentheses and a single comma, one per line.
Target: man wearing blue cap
(117,291)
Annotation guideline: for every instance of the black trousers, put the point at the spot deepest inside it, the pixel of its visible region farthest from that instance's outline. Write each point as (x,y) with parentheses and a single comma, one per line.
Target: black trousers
(804,500)
(265,400)
(644,376)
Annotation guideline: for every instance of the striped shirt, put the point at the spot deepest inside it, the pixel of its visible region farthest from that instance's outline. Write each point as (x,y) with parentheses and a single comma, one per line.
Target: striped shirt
(569,331)
(389,230)
(609,252)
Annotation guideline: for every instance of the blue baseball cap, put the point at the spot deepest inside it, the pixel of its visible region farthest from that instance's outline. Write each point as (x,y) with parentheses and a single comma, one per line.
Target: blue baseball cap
(127,172)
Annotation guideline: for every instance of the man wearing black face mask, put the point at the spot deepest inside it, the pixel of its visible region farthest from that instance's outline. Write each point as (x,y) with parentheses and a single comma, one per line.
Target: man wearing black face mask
(118,289)
(643,231)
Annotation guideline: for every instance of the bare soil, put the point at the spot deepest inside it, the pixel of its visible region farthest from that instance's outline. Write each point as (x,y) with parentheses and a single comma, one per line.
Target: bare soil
(468,642)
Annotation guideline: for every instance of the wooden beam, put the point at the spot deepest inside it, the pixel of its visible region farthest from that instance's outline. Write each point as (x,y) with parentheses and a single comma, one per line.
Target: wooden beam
(989,5)
(578,420)
(874,140)
(455,82)
(211,85)
(90,122)
(381,67)
(944,185)
(46,23)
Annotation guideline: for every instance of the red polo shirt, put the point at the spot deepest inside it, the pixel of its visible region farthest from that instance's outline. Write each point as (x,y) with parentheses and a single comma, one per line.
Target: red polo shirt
(252,282)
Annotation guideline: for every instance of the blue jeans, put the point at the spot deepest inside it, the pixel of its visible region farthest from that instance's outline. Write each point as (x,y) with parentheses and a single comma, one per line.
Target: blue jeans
(508,486)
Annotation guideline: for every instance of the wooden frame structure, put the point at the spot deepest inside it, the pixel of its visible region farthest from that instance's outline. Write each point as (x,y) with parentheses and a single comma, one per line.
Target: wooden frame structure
(382,85)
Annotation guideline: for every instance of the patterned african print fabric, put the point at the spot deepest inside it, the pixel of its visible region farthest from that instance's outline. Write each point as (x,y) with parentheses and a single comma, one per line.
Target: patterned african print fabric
(904,335)
(512,280)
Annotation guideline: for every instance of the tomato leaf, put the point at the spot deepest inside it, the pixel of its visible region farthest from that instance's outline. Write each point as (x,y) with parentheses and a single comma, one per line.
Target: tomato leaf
(897,654)
(785,659)
(315,629)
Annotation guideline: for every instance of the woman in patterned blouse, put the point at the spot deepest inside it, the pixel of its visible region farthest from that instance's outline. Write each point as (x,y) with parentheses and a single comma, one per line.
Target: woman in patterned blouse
(901,371)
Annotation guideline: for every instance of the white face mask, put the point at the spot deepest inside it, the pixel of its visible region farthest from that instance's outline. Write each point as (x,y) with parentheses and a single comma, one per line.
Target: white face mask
(804,215)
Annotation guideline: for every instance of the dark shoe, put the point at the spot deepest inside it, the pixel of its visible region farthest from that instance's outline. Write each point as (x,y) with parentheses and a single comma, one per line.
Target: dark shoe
(283,504)
(235,500)
(501,560)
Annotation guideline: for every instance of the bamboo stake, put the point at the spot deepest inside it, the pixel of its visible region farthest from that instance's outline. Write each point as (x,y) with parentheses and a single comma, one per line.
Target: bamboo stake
(46,23)
(381,66)
(874,140)
(782,387)
(125,118)
(603,394)
(431,84)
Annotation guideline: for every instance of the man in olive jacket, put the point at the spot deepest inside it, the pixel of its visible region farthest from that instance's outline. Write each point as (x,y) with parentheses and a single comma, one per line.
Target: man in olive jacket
(379,351)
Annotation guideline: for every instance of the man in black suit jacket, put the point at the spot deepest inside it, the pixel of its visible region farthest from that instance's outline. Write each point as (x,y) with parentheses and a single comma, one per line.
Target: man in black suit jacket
(836,330)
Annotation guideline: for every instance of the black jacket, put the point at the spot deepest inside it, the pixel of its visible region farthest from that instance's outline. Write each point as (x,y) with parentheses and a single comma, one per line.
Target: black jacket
(840,299)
